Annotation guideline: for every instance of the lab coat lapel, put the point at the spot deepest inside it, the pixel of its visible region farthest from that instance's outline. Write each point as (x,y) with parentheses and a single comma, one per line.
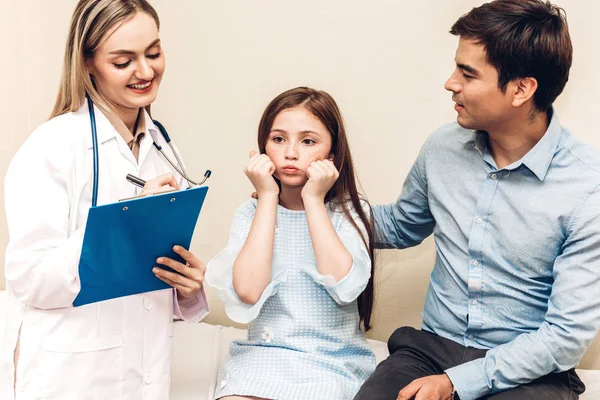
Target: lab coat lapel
(146,145)
(104,129)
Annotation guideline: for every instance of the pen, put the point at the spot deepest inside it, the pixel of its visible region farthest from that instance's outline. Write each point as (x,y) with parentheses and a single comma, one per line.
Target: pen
(135,180)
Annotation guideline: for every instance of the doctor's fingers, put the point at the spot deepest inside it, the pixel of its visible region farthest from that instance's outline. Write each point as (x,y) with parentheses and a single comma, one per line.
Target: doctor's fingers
(186,277)
(159,184)
(186,291)
(162,180)
(195,273)
(189,257)
(157,190)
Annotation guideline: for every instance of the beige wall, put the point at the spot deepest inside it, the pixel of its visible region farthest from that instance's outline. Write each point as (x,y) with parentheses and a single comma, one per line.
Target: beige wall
(385,62)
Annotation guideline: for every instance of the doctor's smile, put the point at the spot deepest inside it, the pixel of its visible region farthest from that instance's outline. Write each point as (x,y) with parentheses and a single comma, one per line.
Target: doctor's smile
(141,87)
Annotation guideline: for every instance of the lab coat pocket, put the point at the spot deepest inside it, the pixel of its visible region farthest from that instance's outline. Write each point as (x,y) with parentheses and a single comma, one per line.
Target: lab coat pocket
(89,368)
(83,345)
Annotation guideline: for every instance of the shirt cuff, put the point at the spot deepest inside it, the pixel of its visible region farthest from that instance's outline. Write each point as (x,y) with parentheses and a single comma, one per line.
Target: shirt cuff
(190,309)
(469,380)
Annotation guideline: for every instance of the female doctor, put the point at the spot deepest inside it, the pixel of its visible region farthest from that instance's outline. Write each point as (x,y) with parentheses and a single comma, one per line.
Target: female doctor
(119,348)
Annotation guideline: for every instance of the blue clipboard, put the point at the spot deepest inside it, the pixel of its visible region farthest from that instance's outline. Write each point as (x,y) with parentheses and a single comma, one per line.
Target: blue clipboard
(123,240)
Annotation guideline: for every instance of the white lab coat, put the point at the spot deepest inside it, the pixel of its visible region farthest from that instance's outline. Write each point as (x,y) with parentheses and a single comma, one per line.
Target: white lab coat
(116,349)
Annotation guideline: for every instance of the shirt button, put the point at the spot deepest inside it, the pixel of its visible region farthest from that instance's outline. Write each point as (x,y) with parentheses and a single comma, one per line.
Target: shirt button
(471,336)
(479,221)
(474,302)
(147,379)
(147,305)
(475,263)
(494,176)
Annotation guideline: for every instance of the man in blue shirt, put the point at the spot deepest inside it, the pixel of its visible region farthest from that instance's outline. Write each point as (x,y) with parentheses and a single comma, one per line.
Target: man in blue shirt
(513,201)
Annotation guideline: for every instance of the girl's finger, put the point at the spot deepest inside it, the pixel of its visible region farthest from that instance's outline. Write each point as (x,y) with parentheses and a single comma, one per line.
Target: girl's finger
(252,163)
(331,169)
(319,168)
(262,162)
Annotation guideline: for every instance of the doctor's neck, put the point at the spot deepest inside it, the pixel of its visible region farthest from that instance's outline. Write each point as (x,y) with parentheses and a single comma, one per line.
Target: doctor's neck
(129,116)
(130,120)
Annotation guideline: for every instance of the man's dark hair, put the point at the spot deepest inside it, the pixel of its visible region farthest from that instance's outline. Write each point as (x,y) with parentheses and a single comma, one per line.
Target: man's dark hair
(523,39)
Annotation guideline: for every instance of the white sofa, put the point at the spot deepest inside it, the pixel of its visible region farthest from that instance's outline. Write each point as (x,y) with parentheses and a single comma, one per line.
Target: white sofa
(199,348)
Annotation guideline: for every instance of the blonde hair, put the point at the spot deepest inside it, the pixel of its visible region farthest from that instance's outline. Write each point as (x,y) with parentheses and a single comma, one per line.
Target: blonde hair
(89,23)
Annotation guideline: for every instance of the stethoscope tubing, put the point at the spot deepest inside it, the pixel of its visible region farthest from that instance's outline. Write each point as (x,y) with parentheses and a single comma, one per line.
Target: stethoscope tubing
(94,150)
(180,169)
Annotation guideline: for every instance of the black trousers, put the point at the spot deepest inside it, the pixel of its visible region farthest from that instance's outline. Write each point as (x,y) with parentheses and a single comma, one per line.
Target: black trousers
(415,354)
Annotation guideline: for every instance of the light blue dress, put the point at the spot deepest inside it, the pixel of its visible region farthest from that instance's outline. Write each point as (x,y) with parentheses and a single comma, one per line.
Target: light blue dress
(304,340)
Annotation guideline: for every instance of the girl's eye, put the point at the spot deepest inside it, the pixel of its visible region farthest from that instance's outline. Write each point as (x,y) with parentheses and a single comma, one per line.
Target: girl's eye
(153,56)
(278,139)
(308,141)
(124,65)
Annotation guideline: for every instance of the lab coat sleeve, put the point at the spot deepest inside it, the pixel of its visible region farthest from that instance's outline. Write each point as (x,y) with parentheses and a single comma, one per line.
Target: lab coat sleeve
(42,256)
(190,309)
(193,309)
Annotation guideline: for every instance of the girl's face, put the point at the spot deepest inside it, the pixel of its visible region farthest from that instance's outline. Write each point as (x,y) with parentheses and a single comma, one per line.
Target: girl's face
(297,138)
(129,64)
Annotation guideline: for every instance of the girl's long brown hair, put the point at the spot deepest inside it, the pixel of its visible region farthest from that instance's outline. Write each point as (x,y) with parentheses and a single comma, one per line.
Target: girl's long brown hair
(323,107)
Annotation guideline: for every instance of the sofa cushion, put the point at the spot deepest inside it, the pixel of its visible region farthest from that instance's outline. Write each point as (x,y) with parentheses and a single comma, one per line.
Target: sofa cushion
(199,348)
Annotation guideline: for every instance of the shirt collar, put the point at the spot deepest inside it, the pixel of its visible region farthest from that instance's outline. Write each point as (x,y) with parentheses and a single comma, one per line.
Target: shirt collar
(123,131)
(477,138)
(538,159)
(106,130)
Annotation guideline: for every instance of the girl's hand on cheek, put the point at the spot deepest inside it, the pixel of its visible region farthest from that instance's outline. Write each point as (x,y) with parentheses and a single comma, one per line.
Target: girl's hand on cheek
(260,170)
(322,175)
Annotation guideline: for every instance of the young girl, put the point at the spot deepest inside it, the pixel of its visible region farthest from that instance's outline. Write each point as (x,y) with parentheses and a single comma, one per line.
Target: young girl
(298,266)
(114,349)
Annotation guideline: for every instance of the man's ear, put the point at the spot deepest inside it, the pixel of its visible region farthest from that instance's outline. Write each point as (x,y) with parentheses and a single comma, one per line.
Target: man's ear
(524,89)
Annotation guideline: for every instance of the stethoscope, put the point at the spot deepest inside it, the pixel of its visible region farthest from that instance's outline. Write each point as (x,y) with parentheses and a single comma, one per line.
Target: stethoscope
(180,170)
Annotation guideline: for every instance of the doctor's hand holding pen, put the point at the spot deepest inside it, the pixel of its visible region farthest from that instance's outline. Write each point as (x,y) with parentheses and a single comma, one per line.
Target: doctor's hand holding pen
(160,184)
(188,277)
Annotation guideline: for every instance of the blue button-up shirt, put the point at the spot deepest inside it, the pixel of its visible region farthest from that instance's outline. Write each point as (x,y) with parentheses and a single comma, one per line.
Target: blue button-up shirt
(517,267)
